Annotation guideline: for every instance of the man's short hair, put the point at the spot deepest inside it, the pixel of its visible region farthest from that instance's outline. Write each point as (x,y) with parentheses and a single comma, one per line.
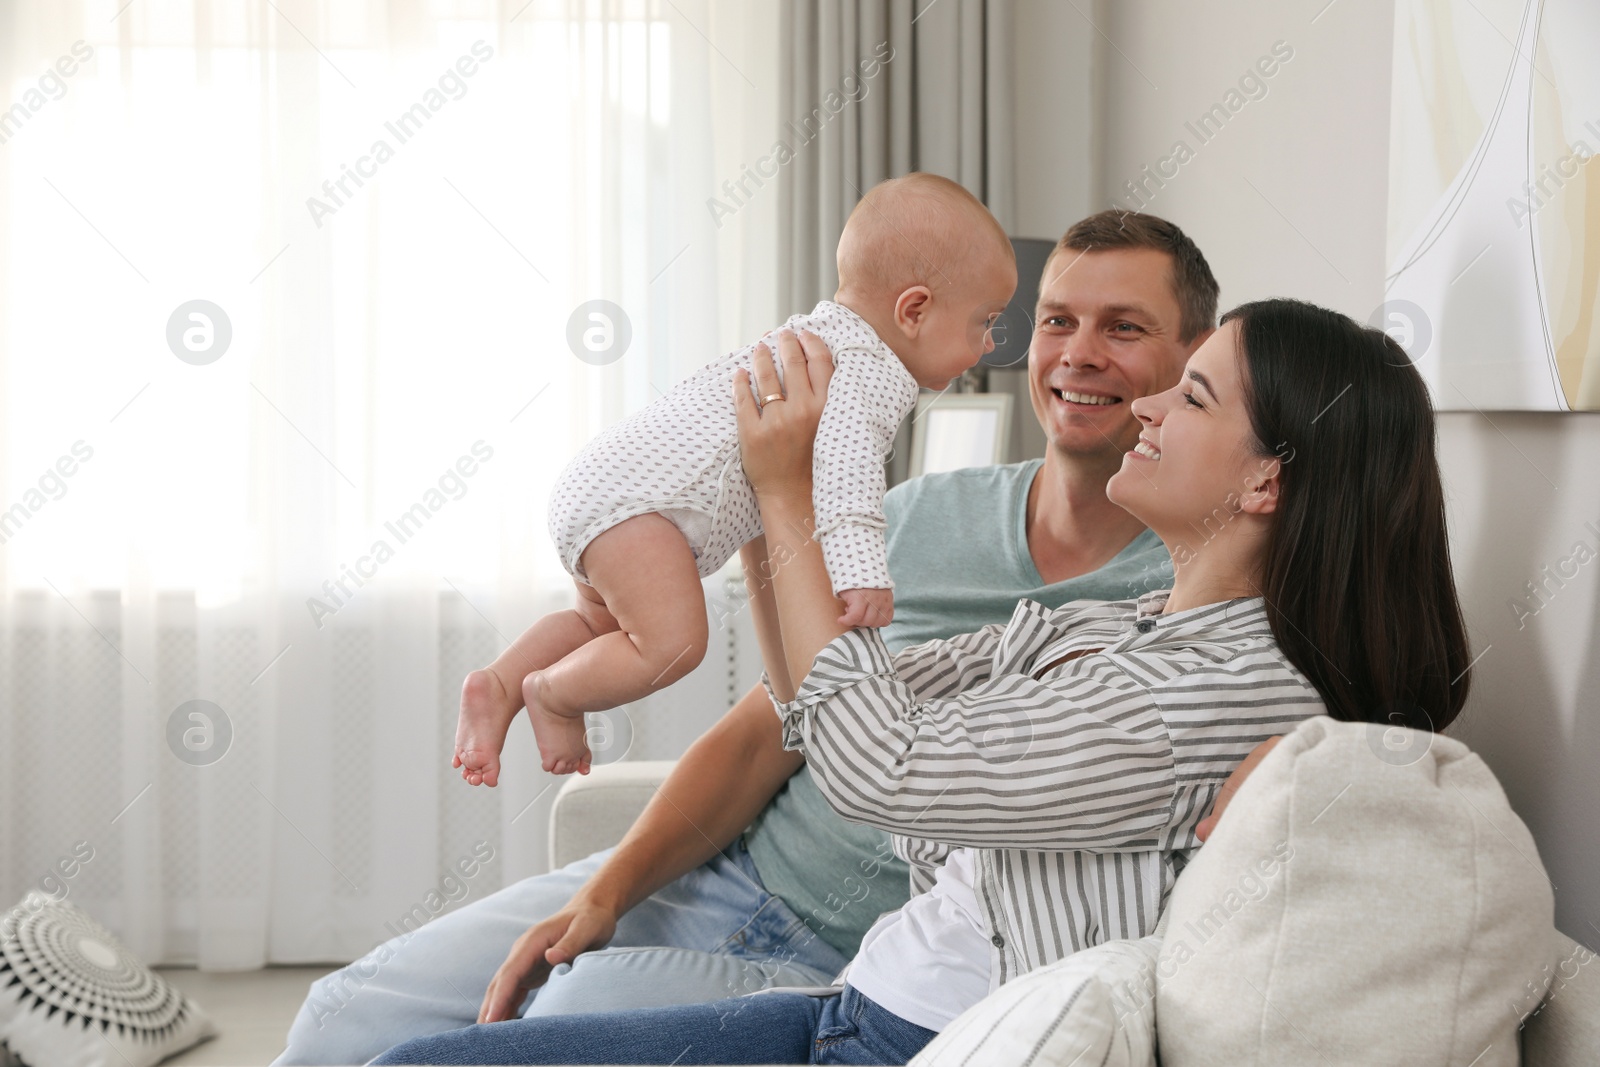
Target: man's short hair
(1193,284)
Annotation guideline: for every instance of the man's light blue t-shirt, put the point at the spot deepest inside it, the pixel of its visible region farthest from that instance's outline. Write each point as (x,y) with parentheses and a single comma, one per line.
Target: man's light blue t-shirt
(958,551)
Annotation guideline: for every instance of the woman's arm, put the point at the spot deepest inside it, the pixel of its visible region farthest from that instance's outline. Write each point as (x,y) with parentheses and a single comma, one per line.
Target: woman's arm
(1012,762)
(764,612)
(1079,760)
(1208,825)
(946,666)
(776,441)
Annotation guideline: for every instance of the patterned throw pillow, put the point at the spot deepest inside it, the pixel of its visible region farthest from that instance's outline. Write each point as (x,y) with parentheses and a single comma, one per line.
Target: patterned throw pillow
(70,994)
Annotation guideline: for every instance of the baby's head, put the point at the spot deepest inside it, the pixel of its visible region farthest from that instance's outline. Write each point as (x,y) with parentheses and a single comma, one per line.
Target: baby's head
(930,270)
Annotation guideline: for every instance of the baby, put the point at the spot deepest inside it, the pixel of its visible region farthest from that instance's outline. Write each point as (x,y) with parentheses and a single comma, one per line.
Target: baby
(659,501)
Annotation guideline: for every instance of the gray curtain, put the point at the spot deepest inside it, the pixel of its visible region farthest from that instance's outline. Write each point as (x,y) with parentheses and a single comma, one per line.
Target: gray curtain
(915,85)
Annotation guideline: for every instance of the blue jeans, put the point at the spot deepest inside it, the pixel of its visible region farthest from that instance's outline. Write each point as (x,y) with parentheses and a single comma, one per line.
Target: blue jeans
(767,1028)
(714,933)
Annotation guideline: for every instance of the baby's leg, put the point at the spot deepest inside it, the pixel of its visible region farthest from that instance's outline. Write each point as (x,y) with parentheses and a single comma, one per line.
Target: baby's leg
(491,698)
(648,612)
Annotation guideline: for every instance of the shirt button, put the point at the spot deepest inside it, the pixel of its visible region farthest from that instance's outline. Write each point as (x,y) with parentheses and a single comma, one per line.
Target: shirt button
(998,941)
(1144,626)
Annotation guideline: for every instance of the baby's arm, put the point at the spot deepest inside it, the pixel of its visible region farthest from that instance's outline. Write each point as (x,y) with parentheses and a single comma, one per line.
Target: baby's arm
(868,396)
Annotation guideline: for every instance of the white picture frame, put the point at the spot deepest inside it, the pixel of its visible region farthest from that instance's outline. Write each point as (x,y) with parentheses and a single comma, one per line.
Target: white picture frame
(951,431)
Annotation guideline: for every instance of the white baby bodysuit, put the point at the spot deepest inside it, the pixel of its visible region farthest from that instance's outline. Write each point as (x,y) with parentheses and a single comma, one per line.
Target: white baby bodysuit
(680,457)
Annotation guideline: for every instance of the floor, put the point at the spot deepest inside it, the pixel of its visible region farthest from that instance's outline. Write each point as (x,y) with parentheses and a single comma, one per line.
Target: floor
(252,1009)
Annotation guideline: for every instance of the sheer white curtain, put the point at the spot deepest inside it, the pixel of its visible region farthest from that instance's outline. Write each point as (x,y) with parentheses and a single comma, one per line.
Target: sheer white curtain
(392,211)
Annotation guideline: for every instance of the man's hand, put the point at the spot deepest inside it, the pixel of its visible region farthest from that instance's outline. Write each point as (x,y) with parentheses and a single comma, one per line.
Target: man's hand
(1231,786)
(574,929)
(867,607)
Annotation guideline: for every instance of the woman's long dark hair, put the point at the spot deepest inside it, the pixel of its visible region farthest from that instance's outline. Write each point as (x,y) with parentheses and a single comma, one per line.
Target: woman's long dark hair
(1357,576)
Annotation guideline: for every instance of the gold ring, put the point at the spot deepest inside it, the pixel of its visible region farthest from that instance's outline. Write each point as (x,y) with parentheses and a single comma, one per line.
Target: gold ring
(770,398)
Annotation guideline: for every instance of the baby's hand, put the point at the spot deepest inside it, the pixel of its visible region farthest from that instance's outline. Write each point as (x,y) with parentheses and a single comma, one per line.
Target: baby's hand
(867,607)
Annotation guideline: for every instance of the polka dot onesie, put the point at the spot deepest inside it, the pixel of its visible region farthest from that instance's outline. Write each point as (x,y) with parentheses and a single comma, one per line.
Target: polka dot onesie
(680,457)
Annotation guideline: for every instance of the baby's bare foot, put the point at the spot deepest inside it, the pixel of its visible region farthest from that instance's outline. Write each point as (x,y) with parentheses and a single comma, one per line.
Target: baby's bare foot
(486,714)
(563,748)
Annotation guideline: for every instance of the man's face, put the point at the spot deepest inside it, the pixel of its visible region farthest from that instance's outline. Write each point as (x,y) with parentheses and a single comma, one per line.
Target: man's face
(1106,333)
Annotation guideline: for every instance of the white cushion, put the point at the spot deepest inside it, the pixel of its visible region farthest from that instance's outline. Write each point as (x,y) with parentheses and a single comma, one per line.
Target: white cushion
(1565,1029)
(72,996)
(1370,897)
(592,811)
(1094,1007)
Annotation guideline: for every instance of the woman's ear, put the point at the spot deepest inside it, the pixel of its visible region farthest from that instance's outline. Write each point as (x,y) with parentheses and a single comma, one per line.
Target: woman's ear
(1261,490)
(911,309)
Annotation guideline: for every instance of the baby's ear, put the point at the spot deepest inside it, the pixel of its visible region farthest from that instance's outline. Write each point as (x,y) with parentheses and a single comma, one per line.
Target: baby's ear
(911,309)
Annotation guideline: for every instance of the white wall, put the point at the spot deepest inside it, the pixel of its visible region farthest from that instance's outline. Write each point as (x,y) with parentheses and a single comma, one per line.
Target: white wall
(1523,491)
(1289,199)
(1054,87)
(1054,94)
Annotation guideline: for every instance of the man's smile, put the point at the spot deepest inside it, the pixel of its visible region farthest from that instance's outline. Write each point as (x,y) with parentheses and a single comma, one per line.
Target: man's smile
(1074,398)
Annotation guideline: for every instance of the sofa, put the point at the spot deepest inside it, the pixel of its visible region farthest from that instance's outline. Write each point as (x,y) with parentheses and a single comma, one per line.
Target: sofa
(1454,959)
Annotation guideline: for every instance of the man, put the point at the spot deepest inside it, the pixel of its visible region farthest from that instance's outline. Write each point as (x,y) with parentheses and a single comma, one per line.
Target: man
(738,875)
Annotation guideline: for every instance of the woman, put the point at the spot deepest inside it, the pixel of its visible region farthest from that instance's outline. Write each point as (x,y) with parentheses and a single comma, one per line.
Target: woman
(1049,774)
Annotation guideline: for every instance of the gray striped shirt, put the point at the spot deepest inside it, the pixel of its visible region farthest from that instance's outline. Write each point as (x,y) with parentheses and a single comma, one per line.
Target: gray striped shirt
(1078,782)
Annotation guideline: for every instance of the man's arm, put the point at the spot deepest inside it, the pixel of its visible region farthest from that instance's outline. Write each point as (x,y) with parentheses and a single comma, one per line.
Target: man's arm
(716,790)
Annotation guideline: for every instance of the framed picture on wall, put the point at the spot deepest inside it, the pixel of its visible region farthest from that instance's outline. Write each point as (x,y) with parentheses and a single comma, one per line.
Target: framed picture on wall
(955,430)
(1494,202)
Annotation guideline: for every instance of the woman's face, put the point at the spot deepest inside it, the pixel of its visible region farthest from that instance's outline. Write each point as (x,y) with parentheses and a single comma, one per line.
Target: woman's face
(1197,465)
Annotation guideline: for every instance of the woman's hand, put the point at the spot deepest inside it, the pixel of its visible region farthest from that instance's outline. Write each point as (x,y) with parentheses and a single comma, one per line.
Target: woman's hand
(574,929)
(775,441)
(775,438)
(1208,825)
